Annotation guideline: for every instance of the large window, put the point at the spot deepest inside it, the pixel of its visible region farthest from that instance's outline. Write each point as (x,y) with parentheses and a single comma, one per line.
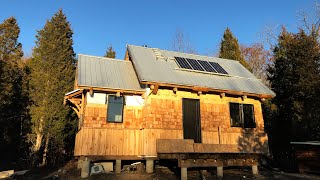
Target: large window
(242,115)
(115,108)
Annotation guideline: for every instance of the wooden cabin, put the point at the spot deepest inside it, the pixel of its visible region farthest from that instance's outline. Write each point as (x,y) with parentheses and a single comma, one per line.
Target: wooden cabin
(157,104)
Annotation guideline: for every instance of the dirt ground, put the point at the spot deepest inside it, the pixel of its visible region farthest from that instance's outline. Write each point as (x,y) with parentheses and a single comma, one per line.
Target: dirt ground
(70,172)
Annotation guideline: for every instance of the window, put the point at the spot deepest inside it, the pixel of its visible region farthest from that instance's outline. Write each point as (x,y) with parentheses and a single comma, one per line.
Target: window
(115,108)
(242,115)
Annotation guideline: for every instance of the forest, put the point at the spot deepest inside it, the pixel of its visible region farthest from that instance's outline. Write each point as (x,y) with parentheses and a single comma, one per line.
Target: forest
(36,129)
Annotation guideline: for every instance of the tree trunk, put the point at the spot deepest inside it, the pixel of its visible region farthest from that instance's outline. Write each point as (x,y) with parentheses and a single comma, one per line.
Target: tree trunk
(37,145)
(44,156)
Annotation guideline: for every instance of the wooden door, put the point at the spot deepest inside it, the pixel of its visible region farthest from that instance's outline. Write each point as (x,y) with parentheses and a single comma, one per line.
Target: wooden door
(191,119)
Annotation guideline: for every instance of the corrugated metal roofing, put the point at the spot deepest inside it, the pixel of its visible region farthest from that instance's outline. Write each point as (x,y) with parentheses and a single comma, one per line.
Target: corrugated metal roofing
(106,73)
(149,68)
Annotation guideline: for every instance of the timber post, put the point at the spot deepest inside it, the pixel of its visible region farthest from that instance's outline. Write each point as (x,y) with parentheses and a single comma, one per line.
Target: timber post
(220,171)
(149,165)
(118,166)
(184,173)
(255,170)
(85,170)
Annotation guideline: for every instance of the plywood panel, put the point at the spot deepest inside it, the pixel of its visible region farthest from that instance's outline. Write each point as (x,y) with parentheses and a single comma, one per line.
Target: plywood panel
(210,137)
(100,142)
(136,142)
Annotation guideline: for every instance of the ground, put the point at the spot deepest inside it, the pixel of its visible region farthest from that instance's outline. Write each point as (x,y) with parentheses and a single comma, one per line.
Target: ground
(70,172)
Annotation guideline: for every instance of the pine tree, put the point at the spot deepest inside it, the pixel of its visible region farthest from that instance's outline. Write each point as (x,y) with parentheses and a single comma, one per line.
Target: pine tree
(110,53)
(52,74)
(230,49)
(11,104)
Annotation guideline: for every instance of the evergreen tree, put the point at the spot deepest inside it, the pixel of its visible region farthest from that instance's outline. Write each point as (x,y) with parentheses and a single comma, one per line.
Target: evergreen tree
(110,53)
(230,49)
(11,100)
(52,74)
(295,78)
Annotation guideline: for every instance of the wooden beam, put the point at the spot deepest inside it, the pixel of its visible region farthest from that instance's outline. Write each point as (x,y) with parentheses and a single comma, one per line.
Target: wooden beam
(197,88)
(216,162)
(76,110)
(155,90)
(210,155)
(187,163)
(174,145)
(76,103)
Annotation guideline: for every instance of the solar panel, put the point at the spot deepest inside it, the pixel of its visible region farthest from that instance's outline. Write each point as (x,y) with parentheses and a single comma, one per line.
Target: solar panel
(207,66)
(200,65)
(194,64)
(183,63)
(218,68)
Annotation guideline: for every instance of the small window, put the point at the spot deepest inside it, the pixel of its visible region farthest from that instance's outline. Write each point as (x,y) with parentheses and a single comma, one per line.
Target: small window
(242,115)
(115,108)
(248,116)
(235,115)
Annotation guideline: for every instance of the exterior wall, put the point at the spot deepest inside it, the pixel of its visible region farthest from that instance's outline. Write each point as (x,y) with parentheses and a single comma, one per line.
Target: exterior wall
(161,117)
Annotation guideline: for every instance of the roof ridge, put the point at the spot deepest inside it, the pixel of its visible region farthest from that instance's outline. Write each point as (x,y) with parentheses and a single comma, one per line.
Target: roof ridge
(184,53)
(101,57)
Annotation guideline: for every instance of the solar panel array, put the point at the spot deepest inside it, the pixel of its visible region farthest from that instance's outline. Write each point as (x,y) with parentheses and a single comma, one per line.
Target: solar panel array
(200,65)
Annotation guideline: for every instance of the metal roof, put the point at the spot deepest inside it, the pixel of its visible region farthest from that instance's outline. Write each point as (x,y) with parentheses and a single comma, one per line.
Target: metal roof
(155,65)
(106,73)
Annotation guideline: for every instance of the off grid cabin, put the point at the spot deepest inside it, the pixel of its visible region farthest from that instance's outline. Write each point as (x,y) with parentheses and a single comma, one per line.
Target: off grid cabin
(157,104)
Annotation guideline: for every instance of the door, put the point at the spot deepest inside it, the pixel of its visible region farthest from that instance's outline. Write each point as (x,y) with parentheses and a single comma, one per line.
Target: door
(191,119)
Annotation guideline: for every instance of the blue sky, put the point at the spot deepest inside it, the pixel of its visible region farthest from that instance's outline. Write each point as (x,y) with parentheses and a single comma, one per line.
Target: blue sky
(97,24)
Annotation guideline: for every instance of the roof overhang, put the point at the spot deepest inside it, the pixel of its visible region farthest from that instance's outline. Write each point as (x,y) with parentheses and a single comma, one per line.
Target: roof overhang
(206,89)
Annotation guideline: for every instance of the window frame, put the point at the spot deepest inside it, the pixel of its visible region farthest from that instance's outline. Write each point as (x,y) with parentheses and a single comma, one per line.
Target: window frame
(242,117)
(108,109)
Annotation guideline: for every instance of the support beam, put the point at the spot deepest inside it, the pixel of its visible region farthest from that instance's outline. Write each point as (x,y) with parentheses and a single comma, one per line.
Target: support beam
(155,89)
(220,171)
(184,173)
(76,110)
(91,91)
(149,166)
(118,166)
(255,170)
(175,90)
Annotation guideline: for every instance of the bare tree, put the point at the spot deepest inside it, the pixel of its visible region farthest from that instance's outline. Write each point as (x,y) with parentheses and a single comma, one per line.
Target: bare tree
(310,19)
(258,59)
(181,43)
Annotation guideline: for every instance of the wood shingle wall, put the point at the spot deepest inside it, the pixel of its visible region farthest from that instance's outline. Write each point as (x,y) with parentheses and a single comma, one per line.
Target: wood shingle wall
(161,118)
